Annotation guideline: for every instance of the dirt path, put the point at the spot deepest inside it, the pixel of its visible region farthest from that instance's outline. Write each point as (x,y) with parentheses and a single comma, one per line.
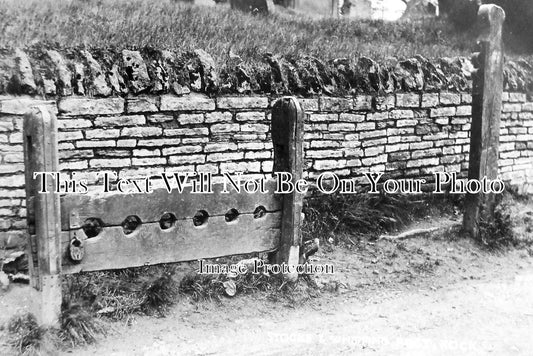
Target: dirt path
(469,318)
(484,307)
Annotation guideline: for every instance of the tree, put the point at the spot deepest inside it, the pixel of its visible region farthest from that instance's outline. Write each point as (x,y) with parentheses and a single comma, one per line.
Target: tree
(463,14)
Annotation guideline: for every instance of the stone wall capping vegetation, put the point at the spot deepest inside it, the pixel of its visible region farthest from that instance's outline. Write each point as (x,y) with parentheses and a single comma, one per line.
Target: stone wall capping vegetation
(106,73)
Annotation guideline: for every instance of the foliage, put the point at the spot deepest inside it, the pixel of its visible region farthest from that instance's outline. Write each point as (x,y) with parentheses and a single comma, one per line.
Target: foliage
(211,287)
(160,293)
(78,325)
(518,20)
(28,338)
(368,214)
(462,13)
(518,33)
(202,287)
(118,294)
(498,232)
(24,332)
(166,24)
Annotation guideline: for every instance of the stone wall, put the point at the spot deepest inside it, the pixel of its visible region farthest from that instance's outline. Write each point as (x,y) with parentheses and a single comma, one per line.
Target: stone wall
(143,131)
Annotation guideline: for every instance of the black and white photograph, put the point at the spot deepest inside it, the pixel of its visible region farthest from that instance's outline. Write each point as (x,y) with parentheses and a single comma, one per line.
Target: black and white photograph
(266,177)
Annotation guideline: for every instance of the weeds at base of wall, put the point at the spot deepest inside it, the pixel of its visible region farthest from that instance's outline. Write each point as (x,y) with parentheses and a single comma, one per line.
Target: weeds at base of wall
(498,233)
(512,225)
(365,215)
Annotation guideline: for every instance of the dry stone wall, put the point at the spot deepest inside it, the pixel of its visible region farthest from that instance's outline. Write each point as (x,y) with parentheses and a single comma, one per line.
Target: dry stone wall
(125,117)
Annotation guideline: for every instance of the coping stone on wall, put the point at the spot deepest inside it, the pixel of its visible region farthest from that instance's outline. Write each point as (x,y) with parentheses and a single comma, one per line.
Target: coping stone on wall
(56,73)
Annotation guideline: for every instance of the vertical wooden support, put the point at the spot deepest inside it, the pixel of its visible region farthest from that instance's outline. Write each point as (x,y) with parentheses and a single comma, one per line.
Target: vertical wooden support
(294,4)
(486,113)
(335,8)
(40,155)
(287,138)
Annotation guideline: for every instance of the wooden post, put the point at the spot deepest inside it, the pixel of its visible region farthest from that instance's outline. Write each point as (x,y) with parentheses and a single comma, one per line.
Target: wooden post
(335,8)
(486,113)
(287,138)
(294,4)
(40,155)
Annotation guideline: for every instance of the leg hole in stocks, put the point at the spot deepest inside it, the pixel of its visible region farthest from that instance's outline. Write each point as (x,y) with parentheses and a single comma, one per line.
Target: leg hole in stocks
(231,215)
(200,218)
(130,224)
(259,212)
(92,227)
(167,221)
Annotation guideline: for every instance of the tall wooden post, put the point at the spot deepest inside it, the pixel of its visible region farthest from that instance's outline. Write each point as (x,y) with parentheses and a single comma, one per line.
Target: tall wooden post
(486,113)
(40,155)
(287,138)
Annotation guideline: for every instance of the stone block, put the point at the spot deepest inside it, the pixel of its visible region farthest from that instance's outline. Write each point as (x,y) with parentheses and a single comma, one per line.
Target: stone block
(242,102)
(109,163)
(224,128)
(224,156)
(142,104)
(218,117)
(446,111)
(408,100)
(76,106)
(332,104)
(197,131)
(188,119)
(430,100)
(250,116)
(141,131)
(192,102)
(181,150)
(127,120)
(447,98)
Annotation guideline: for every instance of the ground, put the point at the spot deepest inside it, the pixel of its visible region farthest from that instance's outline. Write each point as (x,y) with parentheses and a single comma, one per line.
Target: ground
(434,294)
(490,315)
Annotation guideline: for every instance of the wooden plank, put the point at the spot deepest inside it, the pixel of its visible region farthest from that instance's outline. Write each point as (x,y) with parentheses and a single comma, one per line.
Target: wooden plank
(113,208)
(149,244)
(40,152)
(287,138)
(486,113)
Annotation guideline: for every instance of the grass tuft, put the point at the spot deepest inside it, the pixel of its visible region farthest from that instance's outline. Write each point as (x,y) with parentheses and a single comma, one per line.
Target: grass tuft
(78,325)
(159,293)
(24,333)
(122,293)
(29,339)
(202,287)
(498,233)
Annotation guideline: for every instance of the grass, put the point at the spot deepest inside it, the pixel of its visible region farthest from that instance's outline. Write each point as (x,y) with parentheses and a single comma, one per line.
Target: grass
(90,297)
(28,338)
(167,24)
(512,224)
(369,215)
(121,293)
